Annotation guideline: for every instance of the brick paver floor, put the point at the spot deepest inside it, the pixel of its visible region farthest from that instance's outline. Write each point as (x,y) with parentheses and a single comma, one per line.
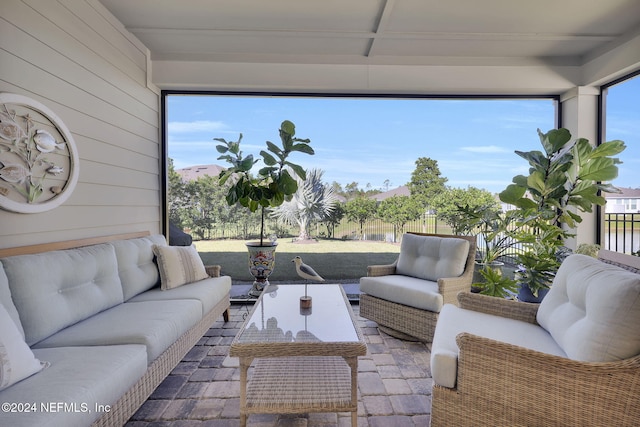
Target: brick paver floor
(394,386)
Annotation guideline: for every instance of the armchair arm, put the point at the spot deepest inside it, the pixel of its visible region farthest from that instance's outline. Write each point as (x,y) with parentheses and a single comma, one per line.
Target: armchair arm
(381,270)
(511,309)
(450,287)
(213,270)
(550,390)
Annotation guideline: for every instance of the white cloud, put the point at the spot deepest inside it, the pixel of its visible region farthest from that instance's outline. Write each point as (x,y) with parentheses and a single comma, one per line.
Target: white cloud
(486,149)
(196,126)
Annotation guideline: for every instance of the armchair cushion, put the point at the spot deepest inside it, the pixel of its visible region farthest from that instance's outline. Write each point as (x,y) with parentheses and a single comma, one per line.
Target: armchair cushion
(431,257)
(454,320)
(593,310)
(418,293)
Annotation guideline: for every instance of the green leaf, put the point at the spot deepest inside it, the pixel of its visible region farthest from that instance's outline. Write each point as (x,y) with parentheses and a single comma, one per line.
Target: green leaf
(269,160)
(512,193)
(554,140)
(535,158)
(525,203)
(247,163)
(288,127)
(274,148)
(304,148)
(599,169)
(536,181)
(267,171)
(287,184)
(221,149)
(520,180)
(609,148)
(277,199)
(299,170)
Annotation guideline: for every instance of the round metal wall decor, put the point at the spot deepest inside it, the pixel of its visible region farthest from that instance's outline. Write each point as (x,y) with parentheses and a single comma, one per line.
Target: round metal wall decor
(38,157)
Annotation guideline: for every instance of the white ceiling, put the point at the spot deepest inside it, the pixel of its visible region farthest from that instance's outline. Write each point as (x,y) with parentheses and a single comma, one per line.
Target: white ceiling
(385,46)
(393,32)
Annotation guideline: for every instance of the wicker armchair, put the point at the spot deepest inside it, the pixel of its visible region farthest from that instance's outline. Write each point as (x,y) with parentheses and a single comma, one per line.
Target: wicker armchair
(503,384)
(413,322)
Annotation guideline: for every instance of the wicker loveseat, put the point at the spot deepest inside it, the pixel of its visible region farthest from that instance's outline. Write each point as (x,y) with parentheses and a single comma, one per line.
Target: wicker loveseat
(573,360)
(88,332)
(404,298)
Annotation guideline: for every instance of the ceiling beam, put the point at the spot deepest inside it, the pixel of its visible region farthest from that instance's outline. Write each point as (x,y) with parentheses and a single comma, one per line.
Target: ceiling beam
(383,21)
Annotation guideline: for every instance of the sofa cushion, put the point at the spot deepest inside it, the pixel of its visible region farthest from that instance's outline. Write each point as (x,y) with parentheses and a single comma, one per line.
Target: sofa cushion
(432,257)
(56,289)
(208,291)
(155,324)
(178,265)
(17,361)
(136,264)
(593,310)
(82,378)
(454,320)
(406,290)
(7,301)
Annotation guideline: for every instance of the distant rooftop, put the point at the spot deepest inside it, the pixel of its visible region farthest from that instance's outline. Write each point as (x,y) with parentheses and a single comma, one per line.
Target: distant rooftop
(627,193)
(400,191)
(192,173)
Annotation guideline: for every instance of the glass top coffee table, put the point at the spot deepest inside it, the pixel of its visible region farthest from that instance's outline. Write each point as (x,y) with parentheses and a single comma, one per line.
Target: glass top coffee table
(306,359)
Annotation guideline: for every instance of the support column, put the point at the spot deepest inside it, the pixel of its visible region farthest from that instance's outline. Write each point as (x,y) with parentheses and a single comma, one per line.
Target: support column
(580,115)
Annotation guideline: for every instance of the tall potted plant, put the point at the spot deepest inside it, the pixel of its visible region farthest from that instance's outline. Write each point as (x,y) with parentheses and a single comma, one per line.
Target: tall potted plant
(563,182)
(494,230)
(270,187)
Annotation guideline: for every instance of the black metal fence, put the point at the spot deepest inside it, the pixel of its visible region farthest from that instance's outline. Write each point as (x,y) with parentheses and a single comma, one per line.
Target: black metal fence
(622,232)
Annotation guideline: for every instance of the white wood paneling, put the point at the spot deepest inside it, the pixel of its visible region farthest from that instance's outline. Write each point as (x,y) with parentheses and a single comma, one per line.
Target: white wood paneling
(72,56)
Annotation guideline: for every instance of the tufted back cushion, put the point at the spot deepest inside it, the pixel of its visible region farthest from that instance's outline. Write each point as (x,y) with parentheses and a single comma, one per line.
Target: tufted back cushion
(432,257)
(53,290)
(593,310)
(136,266)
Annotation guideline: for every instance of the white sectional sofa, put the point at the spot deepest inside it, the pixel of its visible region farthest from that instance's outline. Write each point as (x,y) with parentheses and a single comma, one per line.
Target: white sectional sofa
(94,329)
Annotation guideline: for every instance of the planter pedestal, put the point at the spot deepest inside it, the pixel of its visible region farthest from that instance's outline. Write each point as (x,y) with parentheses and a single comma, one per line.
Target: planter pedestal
(262,261)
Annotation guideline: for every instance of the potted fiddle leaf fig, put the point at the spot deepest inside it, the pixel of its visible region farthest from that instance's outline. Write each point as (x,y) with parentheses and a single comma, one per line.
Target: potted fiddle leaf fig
(564,181)
(270,186)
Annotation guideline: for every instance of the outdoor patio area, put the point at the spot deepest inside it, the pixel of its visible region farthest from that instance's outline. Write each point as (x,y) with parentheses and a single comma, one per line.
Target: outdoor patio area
(394,385)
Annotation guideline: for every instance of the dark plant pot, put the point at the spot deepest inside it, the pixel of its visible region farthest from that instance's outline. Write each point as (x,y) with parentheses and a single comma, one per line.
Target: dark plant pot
(525,295)
(262,260)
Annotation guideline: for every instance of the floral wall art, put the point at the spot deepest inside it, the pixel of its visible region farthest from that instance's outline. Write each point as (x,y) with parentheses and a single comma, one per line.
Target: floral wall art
(38,157)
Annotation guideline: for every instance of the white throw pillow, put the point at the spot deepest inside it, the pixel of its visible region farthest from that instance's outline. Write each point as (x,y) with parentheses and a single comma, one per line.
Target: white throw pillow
(17,361)
(178,265)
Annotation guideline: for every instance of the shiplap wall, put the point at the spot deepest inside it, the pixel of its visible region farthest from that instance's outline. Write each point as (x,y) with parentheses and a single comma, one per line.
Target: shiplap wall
(75,58)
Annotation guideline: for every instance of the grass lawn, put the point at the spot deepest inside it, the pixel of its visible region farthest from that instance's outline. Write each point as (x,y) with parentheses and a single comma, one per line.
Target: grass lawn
(335,260)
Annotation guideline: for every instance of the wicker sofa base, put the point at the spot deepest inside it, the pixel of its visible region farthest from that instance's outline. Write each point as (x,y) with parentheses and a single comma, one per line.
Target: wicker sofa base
(128,404)
(411,321)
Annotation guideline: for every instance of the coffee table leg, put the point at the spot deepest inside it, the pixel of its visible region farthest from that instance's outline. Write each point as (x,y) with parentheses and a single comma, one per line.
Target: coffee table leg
(245,362)
(353,364)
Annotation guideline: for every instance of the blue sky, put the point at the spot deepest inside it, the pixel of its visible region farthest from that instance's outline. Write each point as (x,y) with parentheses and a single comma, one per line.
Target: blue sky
(370,140)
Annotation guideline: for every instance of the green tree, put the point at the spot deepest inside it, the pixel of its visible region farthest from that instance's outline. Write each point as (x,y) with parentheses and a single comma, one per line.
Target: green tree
(333,219)
(312,201)
(448,203)
(360,210)
(426,181)
(205,195)
(398,210)
(177,198)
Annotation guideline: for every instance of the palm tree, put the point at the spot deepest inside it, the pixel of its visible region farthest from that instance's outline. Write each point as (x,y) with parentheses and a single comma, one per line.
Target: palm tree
(313,201)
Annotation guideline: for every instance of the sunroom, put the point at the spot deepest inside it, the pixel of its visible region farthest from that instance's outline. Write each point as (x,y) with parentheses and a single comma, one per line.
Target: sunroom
(103,68)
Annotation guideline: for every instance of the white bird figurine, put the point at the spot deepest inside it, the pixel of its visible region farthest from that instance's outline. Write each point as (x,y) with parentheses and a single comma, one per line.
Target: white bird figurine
(305,271)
